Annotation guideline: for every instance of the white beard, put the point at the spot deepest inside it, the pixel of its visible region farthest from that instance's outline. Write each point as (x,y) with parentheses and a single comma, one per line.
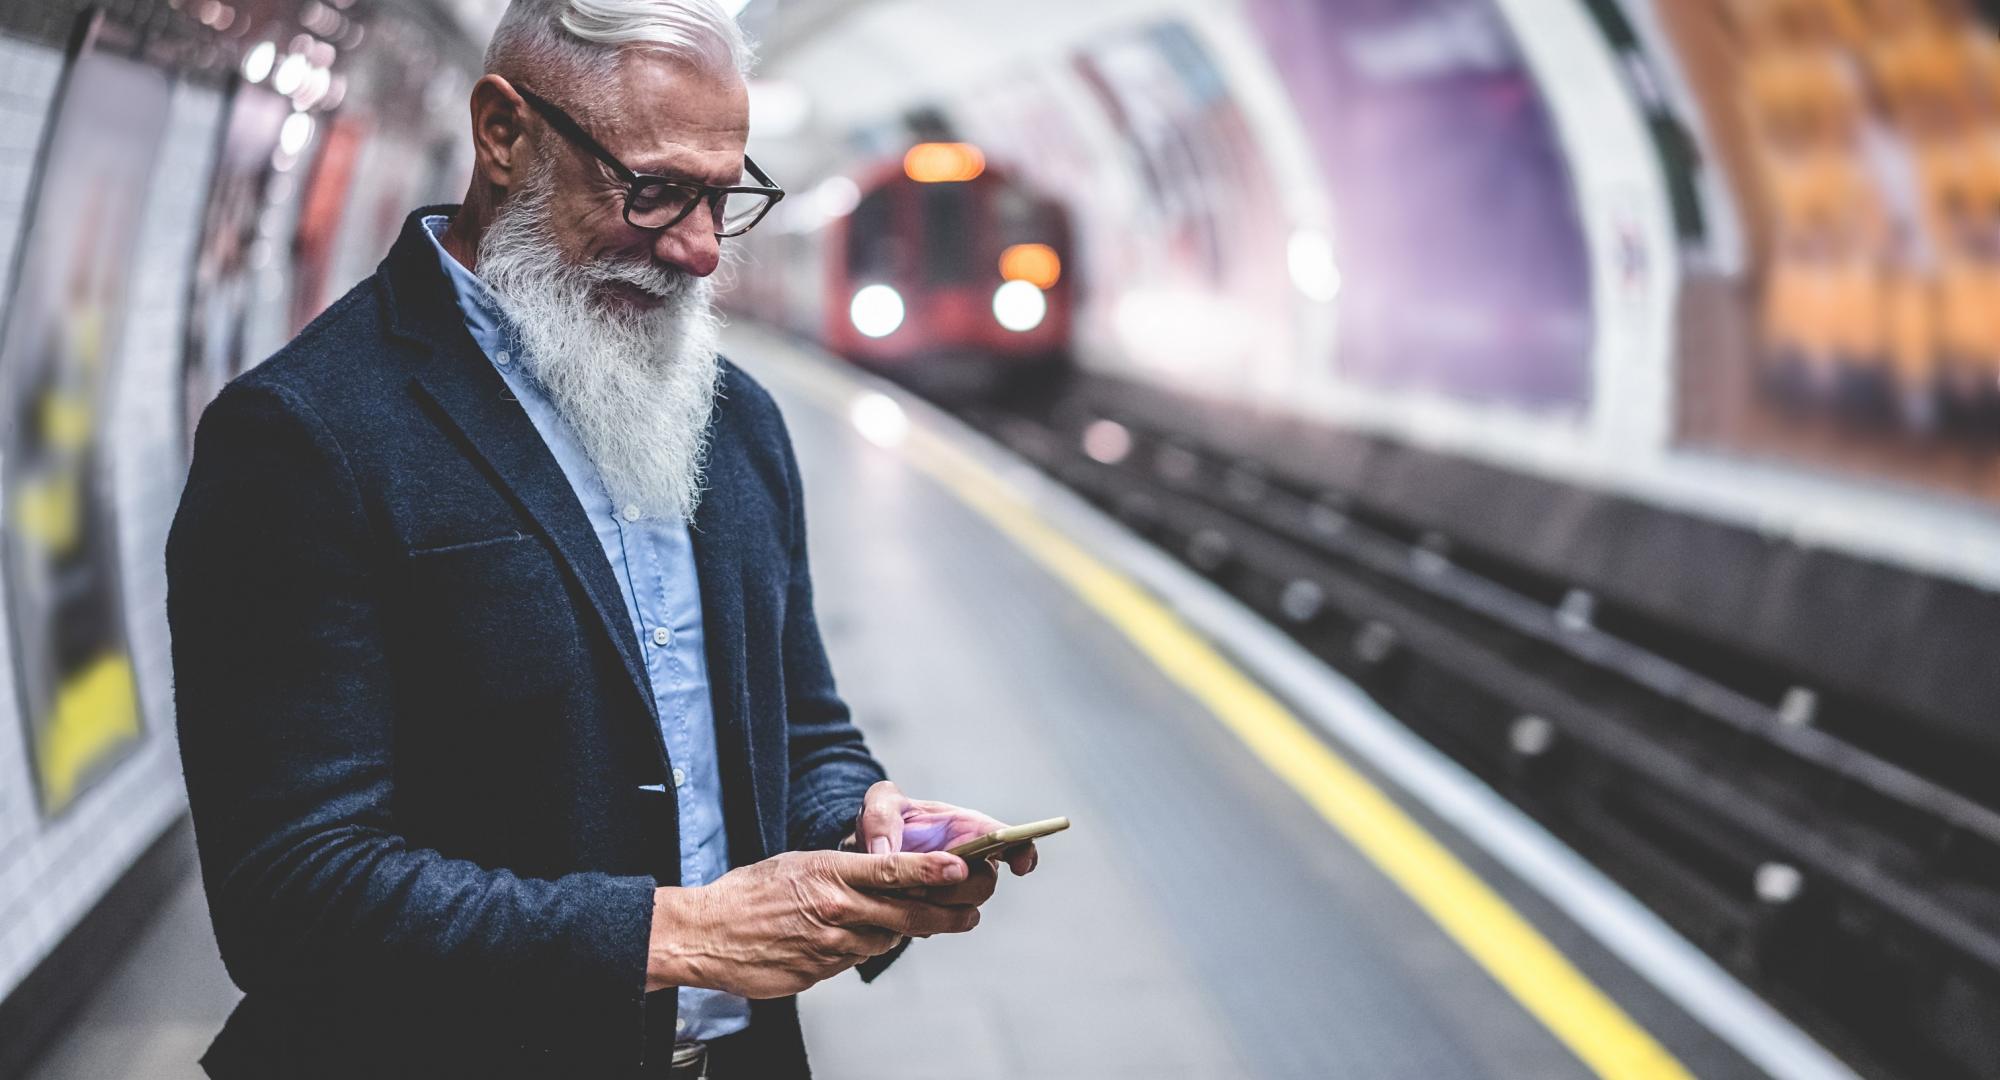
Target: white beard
(636,386)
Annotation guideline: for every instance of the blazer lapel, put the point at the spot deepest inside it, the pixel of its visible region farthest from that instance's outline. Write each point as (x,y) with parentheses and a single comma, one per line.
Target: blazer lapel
(473,401)
(717,534)
(497,429)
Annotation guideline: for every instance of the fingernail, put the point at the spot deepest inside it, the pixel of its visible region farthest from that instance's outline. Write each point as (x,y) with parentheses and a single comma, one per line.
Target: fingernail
(879,845)
(955,870)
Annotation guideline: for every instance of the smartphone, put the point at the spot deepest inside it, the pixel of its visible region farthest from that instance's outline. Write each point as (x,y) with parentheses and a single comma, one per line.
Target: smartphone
(999,840)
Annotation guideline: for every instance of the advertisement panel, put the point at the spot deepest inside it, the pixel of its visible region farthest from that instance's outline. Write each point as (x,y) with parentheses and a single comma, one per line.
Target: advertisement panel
(1199,257)
(1463,263)
(225,267)
(1861,143)
(72,669)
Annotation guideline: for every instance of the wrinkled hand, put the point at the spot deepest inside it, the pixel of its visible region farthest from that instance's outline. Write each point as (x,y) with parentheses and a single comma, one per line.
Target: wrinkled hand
(893,822)
(776,927)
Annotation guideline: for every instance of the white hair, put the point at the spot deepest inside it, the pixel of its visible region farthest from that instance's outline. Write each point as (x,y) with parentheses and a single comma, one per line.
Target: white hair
(577,43)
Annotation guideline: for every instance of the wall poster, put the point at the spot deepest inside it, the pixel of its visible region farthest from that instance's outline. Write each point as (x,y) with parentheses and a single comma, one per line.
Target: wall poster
(73,673)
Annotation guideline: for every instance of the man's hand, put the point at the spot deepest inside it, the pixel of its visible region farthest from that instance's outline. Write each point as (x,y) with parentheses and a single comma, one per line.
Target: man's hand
(777,927)
(892,822)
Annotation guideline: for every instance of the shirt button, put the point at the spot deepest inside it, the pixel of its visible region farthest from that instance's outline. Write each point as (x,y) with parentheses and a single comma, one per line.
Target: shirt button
(661,636)
(680,778)
(631,512)
(502,357)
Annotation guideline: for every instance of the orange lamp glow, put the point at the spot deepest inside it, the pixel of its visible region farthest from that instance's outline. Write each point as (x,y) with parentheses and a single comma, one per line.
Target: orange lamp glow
(943,163)
(1036,264)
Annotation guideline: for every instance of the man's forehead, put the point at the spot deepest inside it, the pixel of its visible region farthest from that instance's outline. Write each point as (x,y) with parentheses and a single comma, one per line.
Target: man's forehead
(674,118)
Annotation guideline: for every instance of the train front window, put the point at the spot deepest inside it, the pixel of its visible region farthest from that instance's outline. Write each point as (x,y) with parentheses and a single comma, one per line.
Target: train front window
(873,248)
(948,239)
(1018,217)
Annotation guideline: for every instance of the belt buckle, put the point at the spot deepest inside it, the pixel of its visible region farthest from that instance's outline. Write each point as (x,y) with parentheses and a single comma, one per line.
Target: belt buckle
(690,1056)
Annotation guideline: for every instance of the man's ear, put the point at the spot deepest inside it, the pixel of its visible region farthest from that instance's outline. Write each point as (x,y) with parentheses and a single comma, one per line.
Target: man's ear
(498,132)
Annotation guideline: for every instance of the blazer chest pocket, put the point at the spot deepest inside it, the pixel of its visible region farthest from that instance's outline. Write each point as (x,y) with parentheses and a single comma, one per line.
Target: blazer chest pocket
(492,619)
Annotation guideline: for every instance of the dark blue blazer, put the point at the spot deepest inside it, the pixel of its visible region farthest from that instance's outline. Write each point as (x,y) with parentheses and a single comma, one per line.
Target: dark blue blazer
(415,722)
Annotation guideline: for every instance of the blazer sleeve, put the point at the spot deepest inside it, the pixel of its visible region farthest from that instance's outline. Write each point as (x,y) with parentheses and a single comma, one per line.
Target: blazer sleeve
(831,765)
(287,730)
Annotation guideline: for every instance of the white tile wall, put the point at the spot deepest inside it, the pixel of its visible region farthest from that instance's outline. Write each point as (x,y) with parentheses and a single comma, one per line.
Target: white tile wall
(52,872)
(28,76)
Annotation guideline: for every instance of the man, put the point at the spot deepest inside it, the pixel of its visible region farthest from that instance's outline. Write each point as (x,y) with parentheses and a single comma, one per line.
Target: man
(493,630)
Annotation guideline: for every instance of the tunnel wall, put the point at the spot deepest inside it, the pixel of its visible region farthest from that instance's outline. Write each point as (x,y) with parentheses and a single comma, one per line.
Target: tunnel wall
(1197,145)
(239,242)
(1666,412)
(52,871)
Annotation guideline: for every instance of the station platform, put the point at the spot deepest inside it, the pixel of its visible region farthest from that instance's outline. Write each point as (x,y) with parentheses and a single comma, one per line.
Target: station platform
(1245,891)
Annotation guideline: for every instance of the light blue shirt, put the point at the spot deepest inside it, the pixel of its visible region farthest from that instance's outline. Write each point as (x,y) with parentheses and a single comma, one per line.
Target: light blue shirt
(654,563)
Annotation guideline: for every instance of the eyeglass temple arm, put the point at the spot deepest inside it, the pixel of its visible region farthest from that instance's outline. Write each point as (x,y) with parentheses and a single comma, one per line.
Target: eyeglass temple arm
(761,177)
(574,130)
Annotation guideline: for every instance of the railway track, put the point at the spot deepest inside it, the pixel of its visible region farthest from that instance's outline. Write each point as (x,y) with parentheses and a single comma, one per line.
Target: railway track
(1856,893)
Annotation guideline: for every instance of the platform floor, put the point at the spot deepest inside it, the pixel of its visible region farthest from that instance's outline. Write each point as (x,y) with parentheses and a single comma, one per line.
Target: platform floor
(1199,920)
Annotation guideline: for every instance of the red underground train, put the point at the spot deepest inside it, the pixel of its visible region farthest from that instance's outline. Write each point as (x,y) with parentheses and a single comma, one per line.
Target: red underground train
(949,265)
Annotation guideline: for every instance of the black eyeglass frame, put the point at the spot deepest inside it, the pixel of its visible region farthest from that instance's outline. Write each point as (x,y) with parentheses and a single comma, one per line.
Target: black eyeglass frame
(634,180)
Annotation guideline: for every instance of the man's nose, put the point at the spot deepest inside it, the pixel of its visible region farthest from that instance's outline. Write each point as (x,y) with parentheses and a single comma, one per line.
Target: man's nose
(691,246)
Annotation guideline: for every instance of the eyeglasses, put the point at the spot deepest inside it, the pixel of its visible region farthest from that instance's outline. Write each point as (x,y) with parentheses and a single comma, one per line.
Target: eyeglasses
(662,202)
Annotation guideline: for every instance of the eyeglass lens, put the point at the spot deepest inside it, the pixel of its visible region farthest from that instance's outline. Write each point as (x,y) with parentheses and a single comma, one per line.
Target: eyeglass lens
(654,205)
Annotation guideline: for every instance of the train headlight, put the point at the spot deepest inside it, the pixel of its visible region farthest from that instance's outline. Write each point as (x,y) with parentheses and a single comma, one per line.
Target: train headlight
(1019,306)
(877,310)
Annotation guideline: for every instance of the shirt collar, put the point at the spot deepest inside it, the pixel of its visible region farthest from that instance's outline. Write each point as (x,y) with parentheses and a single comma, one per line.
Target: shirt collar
(476,302)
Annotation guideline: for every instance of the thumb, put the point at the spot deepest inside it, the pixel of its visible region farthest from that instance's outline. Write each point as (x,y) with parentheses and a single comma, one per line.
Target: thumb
(881,827)
(899,871)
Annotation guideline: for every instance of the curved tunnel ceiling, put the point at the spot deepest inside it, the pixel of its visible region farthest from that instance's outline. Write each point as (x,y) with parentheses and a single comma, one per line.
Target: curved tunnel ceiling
(839,81)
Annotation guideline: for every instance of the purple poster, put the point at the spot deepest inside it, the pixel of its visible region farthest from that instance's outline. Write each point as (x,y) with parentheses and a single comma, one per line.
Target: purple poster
(1463,261)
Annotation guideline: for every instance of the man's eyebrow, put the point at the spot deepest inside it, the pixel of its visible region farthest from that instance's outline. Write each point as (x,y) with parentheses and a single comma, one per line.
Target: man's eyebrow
(672,166)
(693,176)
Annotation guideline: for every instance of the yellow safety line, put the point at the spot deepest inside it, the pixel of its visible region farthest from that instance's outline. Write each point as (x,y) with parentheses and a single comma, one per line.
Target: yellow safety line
(1496,936)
